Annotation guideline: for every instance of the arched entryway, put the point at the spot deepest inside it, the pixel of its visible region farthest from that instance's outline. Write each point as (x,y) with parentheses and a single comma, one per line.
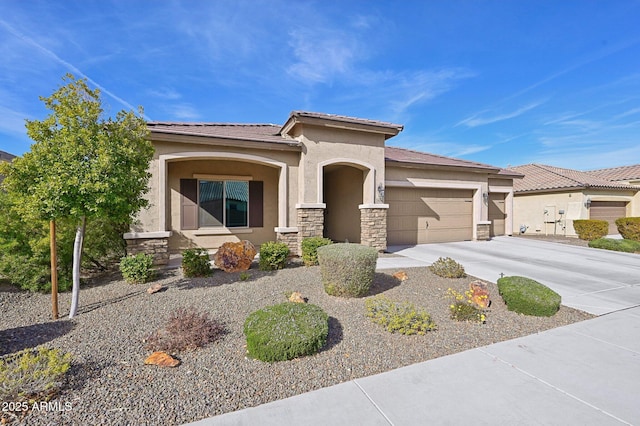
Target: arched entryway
(342,192)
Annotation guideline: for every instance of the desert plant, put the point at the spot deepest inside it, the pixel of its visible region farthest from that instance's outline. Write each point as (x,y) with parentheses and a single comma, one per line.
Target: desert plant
(273,255)
(629,228)
(310,249)
(464,308)
(591,229)
(244,275)
(186,329)
(32,374)
(403,318)
(137,269)
(286,331)
(195,263)
(529,297)
(446,267)
(628,246)
(347,269)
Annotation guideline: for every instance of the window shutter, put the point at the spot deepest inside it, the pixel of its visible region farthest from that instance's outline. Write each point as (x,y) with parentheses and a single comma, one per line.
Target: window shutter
(188,203)
(256,204)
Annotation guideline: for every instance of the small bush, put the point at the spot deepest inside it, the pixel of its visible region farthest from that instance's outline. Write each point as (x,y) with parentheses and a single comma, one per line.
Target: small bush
(137,269)
(195,263)
(273,255)
(528,297)
(627,246)
(310,249)
(32,374)
(286,331)
(629,228)
(403,318)
(446,267)
(347,269)
(186,329)
(464,308)
(591,229)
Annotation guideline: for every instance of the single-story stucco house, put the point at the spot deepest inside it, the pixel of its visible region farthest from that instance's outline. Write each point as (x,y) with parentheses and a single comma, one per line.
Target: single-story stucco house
(548,199)
(316,175)
(5,156)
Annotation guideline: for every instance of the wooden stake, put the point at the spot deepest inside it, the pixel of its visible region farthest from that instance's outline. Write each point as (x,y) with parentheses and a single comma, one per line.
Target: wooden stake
(54,269)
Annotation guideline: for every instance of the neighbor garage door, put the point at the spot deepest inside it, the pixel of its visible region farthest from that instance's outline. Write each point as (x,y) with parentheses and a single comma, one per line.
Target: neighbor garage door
(609,211)
(418,216)
(496,213)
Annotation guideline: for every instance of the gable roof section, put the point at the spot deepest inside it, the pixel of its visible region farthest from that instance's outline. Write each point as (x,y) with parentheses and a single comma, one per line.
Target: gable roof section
(618,173)
(340,121)
(408,156)
(241,132)
(543,178)
(5,156)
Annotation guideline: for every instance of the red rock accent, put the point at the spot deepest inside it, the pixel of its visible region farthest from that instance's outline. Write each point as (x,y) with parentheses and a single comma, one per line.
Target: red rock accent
(234,257)
(480,294)
(296,297)
(154,288)
(162,359)
(401,276)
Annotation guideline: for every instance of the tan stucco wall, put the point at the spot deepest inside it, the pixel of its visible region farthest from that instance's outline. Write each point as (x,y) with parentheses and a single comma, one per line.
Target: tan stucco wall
(529,211)
(323,146)
(631,197)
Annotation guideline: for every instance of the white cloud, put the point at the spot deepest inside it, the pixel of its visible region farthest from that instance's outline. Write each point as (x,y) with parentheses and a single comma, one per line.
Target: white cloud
(477,119)
(185,112)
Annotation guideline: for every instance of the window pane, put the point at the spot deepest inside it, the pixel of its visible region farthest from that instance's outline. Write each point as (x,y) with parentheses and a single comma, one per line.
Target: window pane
(210,203)
(237,202)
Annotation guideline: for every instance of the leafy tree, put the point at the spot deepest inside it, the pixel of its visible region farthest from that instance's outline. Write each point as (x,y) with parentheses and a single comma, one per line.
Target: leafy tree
(82,165)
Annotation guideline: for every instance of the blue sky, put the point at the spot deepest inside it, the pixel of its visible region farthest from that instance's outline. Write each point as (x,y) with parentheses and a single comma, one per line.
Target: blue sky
(499,82)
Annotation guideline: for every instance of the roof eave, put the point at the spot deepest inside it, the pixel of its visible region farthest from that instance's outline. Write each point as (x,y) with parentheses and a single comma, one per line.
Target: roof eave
(162,135)
(416,165)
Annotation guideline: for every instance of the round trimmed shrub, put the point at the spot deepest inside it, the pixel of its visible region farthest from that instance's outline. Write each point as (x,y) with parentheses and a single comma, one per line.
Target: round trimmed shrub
(310,249)
(137,269)
(195,263)
(286,331)
(446,267)
(528,297)
(347,269)
(591,229)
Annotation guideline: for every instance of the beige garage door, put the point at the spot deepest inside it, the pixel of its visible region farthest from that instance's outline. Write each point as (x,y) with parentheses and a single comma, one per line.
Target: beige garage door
(418,216)
(496,214)
(609,211)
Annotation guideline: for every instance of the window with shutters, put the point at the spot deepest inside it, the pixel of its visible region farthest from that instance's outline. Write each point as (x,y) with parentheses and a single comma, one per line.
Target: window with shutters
(220,203)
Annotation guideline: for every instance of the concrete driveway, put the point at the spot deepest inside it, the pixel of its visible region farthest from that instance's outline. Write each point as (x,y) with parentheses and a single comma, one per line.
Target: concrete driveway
(592,280)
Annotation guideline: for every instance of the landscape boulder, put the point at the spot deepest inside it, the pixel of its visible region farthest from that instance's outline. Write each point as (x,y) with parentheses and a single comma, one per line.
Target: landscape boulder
(480,294)
(296,297)
(161,359)
(235,257)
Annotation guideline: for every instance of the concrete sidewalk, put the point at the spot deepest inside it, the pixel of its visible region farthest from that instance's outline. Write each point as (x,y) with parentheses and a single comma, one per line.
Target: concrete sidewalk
(581,374)
(586,373)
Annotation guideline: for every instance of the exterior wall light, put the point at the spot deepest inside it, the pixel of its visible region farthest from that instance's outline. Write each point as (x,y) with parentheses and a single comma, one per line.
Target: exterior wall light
(381,192)
(485,197)
(587,203)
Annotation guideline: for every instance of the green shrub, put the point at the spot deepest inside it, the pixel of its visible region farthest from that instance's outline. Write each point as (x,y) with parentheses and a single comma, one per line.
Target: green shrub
(403,318)
(446,267)
(32,374)
(591,229)
(273,255)
(286,331)
(186,329)
(629,228)
(347,269)
(195,263)
(310,249)
(529,297)
(137,269)
(628,246)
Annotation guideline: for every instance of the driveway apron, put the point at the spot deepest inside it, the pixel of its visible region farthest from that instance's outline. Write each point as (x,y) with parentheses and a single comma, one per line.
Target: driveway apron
(592,280)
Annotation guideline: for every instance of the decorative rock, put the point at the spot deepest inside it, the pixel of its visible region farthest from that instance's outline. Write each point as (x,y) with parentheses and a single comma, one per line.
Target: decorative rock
(401,276)
(480,294)
(155,288)
(234,257)
(162,359)
(296,297)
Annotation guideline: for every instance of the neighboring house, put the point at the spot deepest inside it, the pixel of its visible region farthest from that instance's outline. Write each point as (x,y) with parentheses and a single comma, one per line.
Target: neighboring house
(548,199)
(5,156)
(316,175)
(625,174)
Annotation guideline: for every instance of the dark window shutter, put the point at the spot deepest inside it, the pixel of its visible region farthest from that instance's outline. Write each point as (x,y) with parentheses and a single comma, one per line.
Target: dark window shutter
(256,204)
(188,203)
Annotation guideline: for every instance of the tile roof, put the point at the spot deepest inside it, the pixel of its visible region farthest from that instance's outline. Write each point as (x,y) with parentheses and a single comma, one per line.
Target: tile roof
(402,155)
(5,156)
(235,131)
(541,178)
(346,119)
(618,173)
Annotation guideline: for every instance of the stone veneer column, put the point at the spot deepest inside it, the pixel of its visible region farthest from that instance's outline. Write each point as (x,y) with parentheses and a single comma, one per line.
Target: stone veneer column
(373,226)
(158,247)
(310,224)
(483,231)
(291,240)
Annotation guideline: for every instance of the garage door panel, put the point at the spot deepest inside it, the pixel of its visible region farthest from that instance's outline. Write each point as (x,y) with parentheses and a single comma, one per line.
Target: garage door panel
(418,215)
(609,211)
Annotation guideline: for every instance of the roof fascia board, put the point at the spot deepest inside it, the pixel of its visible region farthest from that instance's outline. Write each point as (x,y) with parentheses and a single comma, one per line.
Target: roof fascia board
(179,137)
(470,168)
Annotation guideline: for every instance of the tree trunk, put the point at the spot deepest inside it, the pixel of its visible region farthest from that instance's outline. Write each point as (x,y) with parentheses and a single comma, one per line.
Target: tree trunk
(77,258)
(54,269)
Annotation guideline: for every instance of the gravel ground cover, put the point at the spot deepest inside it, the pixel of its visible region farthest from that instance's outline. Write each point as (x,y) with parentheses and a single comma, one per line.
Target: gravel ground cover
(109,385)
